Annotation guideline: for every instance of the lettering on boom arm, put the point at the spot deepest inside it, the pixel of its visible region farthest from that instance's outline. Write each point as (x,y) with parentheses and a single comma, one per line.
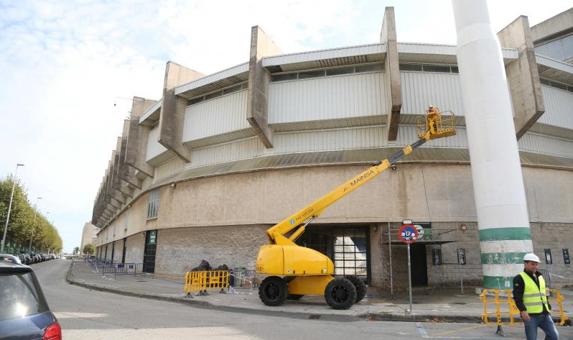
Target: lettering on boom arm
(306,214)
(361,178)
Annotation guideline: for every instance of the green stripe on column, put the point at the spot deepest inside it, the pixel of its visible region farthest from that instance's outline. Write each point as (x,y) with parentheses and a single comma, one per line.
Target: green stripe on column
(498,282)
(501,234)
(502,258)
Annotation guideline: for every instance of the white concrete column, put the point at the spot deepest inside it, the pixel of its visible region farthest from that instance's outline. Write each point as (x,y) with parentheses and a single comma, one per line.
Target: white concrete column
(499,192)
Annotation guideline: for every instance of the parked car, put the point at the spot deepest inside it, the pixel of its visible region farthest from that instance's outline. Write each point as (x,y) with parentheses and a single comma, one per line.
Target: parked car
(24,312)
(10,258)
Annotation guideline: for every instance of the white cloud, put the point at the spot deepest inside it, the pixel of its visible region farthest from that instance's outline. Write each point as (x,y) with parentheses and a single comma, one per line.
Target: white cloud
(64,64)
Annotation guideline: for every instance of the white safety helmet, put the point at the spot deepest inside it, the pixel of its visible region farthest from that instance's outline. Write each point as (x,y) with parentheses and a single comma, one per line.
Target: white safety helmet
(530,258)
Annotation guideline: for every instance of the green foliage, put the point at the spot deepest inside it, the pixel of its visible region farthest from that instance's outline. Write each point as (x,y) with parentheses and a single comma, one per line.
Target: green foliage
(76,250)
(89,249)
(26,223)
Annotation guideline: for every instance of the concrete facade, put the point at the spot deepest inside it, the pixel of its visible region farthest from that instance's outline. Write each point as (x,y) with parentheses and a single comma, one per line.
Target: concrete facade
(208,217)
(173,109)
(391,72)
(259,78)
(218,193)
(523,76)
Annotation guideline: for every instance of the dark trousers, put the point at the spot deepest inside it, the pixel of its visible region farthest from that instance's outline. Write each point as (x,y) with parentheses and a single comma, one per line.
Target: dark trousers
(544,322)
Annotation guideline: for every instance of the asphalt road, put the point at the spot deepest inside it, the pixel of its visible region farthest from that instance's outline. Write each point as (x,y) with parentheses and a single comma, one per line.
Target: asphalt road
(87,314)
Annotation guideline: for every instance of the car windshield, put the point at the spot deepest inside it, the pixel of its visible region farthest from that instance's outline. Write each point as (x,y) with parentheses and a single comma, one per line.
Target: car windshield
(19,296)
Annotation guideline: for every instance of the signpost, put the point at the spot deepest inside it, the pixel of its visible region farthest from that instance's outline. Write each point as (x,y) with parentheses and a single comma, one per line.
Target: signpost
(409,234)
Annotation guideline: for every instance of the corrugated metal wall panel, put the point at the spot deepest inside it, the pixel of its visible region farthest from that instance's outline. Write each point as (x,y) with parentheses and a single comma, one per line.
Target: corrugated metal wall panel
(558,107)
(153,147)
(169,168)
(216,116)
(546,145)
(292,142)
(334,97)
(421,89)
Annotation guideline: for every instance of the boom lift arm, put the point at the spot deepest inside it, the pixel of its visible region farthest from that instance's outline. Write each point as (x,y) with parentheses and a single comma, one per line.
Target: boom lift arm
(298,221)
(295,270)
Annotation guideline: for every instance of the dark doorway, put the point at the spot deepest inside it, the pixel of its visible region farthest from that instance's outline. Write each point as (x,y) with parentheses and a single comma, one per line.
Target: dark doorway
(123,251)
(419,265)
(105,255)
(149,251)
(112,251)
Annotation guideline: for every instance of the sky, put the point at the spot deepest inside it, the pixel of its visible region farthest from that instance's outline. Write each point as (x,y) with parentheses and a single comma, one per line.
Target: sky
(68,70)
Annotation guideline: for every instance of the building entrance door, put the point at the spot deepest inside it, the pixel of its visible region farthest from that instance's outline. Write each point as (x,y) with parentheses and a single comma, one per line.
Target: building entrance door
(123,251)
(419,265)
(149,251)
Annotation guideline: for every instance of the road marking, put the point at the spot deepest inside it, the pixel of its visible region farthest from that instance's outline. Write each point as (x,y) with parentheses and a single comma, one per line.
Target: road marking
(421,330)
(458,330)
(78,315)
(226,333)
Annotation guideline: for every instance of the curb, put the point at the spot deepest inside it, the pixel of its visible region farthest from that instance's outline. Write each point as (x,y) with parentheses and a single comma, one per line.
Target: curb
(295,315)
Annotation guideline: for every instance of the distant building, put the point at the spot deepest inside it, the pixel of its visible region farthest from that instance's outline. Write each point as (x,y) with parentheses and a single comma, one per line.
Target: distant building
(202,172)
(89,235)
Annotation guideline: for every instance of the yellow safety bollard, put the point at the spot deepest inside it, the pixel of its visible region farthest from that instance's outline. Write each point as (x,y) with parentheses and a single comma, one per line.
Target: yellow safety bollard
(483,297)
(559,298)
(498,307)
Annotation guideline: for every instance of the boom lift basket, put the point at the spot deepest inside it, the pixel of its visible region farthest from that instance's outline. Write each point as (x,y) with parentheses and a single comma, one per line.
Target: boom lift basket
(435,124)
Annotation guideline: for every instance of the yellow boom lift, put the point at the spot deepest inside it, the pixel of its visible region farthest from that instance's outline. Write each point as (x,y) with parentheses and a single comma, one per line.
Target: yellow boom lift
(293,271)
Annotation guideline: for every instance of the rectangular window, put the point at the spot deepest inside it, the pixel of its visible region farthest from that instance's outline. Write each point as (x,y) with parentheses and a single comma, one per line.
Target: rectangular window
(196,100)
(232,89)
(153,204)
(370,68)
(281,77)
(461,256)
(436,68)
(566,258)
(410,67)
(436,256)
(338,71)
(214,95)
(311,74)
(548,259)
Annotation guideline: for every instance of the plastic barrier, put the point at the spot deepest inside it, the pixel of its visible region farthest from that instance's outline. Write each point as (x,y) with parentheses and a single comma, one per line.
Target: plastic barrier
(203,280)
(503,301)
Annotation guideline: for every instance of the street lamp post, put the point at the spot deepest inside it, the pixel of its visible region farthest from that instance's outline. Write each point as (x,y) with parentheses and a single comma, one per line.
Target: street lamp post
(33,224)
(9,208)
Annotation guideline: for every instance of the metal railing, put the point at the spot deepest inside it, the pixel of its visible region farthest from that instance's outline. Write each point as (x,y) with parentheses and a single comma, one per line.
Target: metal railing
(108,267)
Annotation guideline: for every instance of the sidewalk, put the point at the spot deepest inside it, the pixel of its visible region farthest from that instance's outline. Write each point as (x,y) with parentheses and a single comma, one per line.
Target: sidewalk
(445,305)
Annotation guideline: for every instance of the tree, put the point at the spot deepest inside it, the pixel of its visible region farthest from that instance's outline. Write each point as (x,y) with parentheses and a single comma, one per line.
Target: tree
(26,223)
(76,250)
(89,249)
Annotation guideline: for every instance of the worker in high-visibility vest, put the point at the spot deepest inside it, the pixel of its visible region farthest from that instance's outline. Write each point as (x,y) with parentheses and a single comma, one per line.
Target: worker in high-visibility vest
(530,295)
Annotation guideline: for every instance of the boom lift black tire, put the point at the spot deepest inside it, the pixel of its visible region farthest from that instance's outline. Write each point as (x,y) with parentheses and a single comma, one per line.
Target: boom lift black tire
(273,291)
(360,287)
(340,293)
(294,297)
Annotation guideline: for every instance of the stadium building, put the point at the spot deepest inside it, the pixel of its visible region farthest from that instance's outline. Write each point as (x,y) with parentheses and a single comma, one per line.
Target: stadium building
(202,172)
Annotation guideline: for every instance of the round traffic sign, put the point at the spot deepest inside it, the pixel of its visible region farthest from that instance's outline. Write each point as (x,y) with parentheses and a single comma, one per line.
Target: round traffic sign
(408,233)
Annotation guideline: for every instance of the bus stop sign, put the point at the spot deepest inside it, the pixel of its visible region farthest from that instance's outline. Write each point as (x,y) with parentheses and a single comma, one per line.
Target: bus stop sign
(408,233)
